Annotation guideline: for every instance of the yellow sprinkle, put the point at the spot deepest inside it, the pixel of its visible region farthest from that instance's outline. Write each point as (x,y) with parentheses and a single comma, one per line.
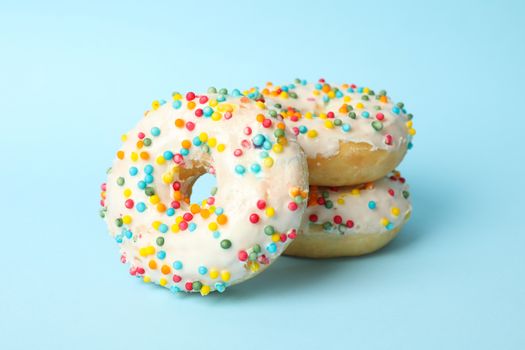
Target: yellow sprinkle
(179,219)
(175,228)
(191,105)
(216,116)
(163,282)
(177,96)
(316,92)
(395,211)
(160,160)
(260,104)
(225,275)
(146,279)
(214,273)
(203,137)
(328,124)
(412,131)
(276,237)
(308,115)
(145,251)
(254,266)
(124,138)
(126,219)
(213,226)
(220,147)
(347,99)
(283,94)
(410,123)
(205,290)
(154,199)
(127,192)
(359,106)
(268,162)
(156,224)
(322,116)
(366,90)
(355,192)
(134,156)
(155,105)
(384,221)
(269,212)
(213,103)
(311,134)
(277,148)
(340,201)
(167,178)
(331,94)
(212,142)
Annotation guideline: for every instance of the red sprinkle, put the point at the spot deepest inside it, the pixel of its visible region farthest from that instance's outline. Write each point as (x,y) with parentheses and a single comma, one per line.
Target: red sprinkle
(391,192)
(254,218)
(177,278)
(338,219)
(349,223)
(190,96)
(203,99)
(380,116)
(199,112)
(292,206)
(313,218)
(141,135)
(187,216)
(183,225)
(330,115)
(129,203)
(293,234)
(261,204)
(242,255)
(175,204)
(188,286)
(176,185)
(267,123)
(388,139)
(190,126)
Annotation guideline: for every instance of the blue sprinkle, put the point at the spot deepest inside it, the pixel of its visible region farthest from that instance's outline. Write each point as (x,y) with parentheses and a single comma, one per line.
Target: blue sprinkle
(349,90)
(272,248)
(170,212)
(346,127)
(155,131)
(216,234)
(161,255)
(219,211)
(267,145)
(203,270)
(118,238)
(140,207)
(372,205)
(128,234)
(168,155)
(258,140)
(410,145)
(396,110)
(221,98)
(197,141)
(162,102)
(207,111)
(148,169)
(318,86)
(148,179)
(163,228)
(141,184)
(264,154)
(220,287)
(177,265)
(184,152)
(239,169)
(176,104)
(338,94)
(255,168)
(175,289)
(236,92)
(192,226)
(365,114)
(360,90)
(284,88)
(390,226)
(133,171)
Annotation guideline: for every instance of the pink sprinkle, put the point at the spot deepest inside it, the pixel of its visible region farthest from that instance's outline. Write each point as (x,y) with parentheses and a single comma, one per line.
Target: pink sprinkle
(140,270)
(267,123)
(210,200)
(243,256)
(187,216)
(183,225)
(292,234)
(129,203)
(190,126)
(178,158)
(247,130)
(283,237)
(292,206)
(330,115)
(294,118)
(103,187)
(295,130)
(237,152)
(199,112)
(380,116)
(246,144)
(203,99)
(228,115)
(141,135)
(388,139)
(175,204)
(177,278)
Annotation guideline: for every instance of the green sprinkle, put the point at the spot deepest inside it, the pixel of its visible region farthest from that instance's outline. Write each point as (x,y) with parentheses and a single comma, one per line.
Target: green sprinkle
(269,230)
(119,222)
(160,241)
(377,125)
(257,248)
(223,91)
(365,98)
(121,181)
(196,285)
(226,244)
(212,90)
(279,133)
(329,204)
(406,194)
(352,115)
(337,122)
(149,191)
(147,142)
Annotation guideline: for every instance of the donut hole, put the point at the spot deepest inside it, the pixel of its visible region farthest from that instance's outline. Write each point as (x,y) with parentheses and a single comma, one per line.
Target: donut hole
(202,187)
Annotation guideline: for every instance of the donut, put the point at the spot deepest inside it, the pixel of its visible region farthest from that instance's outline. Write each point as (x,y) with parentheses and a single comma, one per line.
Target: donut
(350,134)
(247,222)
(352,220)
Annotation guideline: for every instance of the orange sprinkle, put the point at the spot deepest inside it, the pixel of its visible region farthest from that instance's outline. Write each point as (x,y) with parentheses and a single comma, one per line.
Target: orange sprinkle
(161,207)
(260,118)
(195,208)
(179,123)
(144,155)
(186,144)
(120,154)
(152,264)
(165,269)
(222,219)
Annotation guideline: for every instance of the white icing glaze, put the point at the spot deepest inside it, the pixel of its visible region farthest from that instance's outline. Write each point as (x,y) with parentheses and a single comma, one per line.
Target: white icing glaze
(350,205)
(314,102)
(200,253)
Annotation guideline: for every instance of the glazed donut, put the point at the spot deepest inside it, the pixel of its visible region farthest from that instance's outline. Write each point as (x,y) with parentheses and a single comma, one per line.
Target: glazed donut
(248,221)
(352,220)
(350,134)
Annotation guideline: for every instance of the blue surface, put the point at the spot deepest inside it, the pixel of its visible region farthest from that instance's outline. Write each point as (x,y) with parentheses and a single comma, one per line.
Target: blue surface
(74,77)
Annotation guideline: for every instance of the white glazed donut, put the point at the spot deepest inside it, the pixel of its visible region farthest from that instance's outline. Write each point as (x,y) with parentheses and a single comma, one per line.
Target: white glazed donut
(350,134)
(237,232)
(350,221)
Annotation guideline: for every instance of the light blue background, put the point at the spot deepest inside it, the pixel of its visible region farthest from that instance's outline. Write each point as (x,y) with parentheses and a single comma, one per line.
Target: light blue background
(74,77)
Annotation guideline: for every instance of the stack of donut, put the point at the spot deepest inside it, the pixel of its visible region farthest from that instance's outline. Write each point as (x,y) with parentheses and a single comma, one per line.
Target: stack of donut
(353,138)
(306,168)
